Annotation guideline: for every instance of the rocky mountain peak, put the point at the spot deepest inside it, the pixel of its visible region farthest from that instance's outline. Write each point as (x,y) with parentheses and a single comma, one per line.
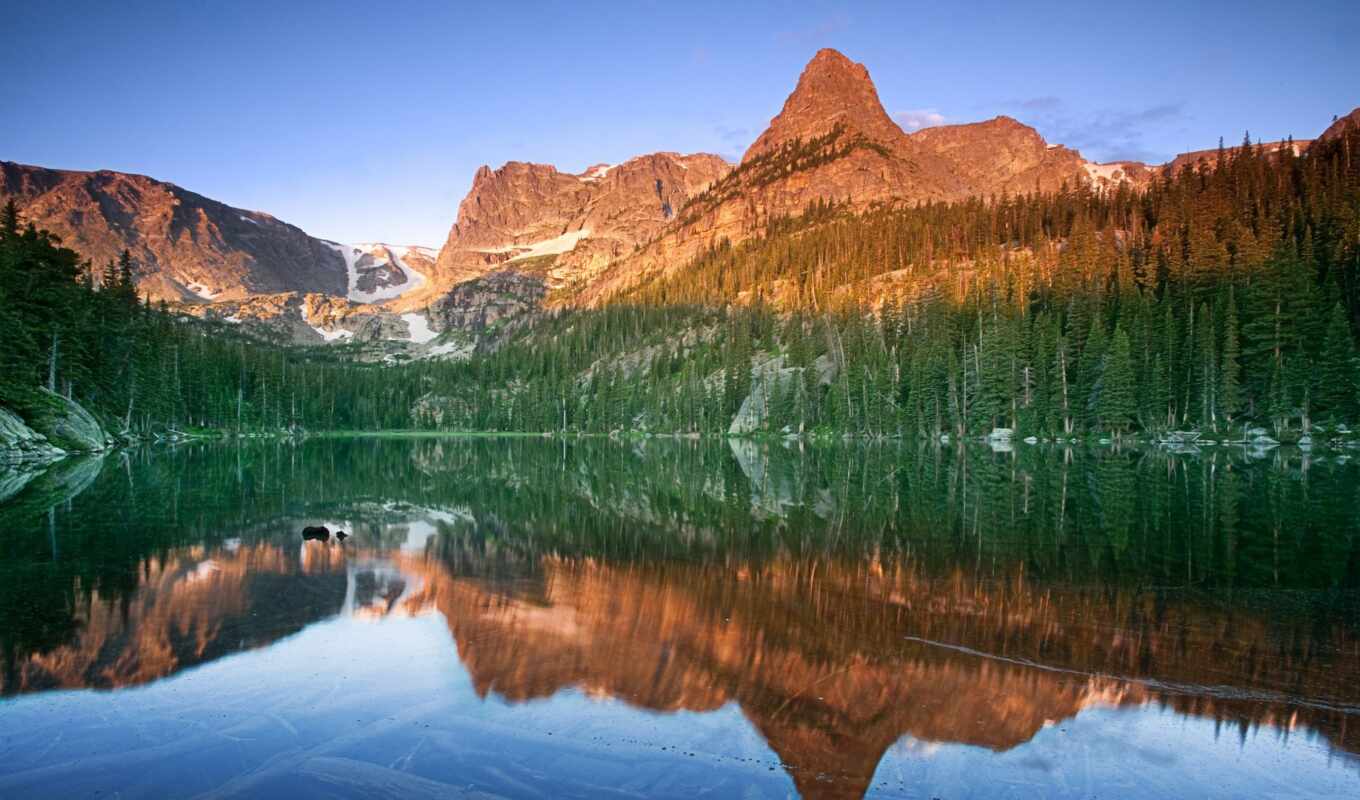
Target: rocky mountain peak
(521,214)
(1339,127)
(833,90)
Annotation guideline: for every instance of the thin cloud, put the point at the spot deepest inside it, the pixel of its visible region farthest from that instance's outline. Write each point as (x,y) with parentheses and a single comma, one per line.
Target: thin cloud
(816,33)
(916,119)
(734,135)
(1045,103)
(1109,134)
(734,141)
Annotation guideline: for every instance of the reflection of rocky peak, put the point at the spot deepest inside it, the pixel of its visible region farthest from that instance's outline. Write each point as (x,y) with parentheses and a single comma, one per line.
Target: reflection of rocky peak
(834,664)
(190,608)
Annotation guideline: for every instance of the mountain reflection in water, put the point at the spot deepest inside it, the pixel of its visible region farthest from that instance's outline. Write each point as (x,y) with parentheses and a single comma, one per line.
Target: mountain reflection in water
(844,602)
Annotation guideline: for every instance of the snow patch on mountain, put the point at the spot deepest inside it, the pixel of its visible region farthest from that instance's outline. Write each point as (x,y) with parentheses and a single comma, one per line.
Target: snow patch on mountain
(351,253)
(456,349)
(1108,173)
(201,291)
(419,327)
(547,247)
(332,336)
(401,251)
(597,172)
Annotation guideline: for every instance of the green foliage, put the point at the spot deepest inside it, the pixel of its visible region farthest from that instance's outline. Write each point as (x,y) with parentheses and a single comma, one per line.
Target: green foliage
(1118,407)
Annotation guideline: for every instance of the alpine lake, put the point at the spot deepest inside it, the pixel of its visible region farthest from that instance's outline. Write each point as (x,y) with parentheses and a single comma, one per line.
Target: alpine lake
(537,617)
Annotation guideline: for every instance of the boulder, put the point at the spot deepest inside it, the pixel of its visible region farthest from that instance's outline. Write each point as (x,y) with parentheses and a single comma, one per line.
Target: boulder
(20,444)
(767,380)
(67,424)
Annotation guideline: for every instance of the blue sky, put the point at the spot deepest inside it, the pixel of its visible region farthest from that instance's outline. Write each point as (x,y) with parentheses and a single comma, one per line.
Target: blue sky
(365,121)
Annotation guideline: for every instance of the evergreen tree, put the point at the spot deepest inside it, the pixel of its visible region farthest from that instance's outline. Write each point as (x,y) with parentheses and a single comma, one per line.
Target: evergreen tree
(1336,369)
(1118,403)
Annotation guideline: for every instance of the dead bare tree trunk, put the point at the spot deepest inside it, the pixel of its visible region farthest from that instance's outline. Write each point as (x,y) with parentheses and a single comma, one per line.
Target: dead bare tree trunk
(52,362)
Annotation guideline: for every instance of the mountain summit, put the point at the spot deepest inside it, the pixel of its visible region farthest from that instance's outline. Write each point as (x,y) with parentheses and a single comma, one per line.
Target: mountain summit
(832,91)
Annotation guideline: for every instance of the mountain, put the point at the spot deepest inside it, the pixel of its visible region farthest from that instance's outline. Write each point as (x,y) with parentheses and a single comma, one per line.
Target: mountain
(528,232)
(521,212)
(604,230)
(1004,156)
(1341,126)
(832,92)
(186,247)
(833,142)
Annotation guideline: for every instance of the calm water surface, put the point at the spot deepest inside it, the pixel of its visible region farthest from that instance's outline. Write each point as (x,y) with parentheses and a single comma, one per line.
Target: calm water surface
(524,618)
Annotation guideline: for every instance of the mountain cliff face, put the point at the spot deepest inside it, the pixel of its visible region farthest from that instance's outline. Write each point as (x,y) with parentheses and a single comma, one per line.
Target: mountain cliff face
(1002,156)
(187,247)
(522,212)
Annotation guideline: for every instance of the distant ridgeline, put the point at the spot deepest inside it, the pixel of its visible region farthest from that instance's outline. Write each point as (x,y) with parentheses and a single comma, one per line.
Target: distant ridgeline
(1221,297)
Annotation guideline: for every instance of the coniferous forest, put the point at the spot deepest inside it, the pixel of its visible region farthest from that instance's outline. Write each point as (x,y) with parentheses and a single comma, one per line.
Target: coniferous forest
(1222,298)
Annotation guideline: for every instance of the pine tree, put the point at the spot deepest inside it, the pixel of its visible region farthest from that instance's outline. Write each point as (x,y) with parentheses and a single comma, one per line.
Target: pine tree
(1092,361)
(1118,402)
(1336,369)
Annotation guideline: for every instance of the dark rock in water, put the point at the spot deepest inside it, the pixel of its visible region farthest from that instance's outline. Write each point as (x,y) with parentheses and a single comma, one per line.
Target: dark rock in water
(341,535)
(318,533)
